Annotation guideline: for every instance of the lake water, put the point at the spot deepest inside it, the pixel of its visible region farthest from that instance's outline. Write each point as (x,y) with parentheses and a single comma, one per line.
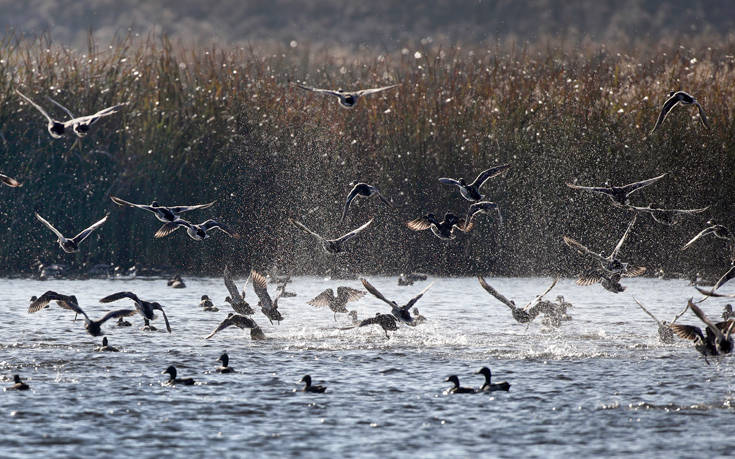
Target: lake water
(601,384)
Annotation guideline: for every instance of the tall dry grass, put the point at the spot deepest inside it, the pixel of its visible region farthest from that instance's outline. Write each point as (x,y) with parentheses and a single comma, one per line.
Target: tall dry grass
(225,124)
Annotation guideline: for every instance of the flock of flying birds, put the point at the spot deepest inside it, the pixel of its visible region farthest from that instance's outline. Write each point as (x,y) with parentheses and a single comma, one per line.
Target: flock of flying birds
(607,270)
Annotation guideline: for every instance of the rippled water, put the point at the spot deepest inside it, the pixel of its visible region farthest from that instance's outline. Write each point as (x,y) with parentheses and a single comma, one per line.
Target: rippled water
(601,384)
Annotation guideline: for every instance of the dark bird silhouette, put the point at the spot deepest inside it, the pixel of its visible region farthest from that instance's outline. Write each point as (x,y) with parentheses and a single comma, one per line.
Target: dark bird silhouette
(471,191)
(386,321)
(71,245)
(333,246)
(240,322)
(456,388)
(521,315)
(173,380)
(145,308)
(619,194)
(237,300)
(93,327)
(336,303)
(162,213)
(444,229)
(225,368)
(309,388)
(402,313)
(198,232)
(675,98)
(268,306)
(489,386)
(361,190)
(347,99)
(18,384)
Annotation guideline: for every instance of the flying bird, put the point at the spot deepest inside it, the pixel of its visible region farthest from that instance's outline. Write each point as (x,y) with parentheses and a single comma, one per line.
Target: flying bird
(236,300)
(197,232)
(336,303)
(386,321)
(479,208)
(268,306)
(402,313)
(347,99)
(71,245)
(665,333)
(618,194)
(444,229)
(525,314)
(9,181)
(145,308)
(162,213)
(93,327)
(679,97)
(79,125)
(362,190)
(667,217)
(471,191)
(333,246)
(241,322)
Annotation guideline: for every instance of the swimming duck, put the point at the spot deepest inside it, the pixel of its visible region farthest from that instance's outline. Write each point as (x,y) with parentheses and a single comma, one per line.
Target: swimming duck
(93,327)
(386,321)
(240,322)
(72,245)
(106,347)
(668,217)
(611,263)
(410,278)
(162,213)
(173,380)
(236,300)
(225,368)
(347,99)
(665,332)
(457,389)
(176,282)
(121,322)
(145,308)
(197,232)
(309,388)
(618,194)
(207,304)
(336,303)
(18,384)
(361,190)
(9,181)
(489,386)
(471,191)
(333,246)
(679,97)
(402,313)
(521,315)
(79,125)
(443,230)
(268,306)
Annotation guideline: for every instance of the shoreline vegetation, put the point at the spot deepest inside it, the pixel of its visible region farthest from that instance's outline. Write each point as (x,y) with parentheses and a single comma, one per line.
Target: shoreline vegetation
(226,124)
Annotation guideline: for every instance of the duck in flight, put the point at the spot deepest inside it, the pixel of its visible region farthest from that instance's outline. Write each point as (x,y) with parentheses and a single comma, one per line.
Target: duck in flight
(471,191)
(241,322)
(268,306)
(237,300)
(619,194)
(720,232)
(610,264)
(402,313)
(444,229)
(347,99)
(71,245)
(715,341)
(336,303)
(665,332)
(9,181)
(668,217)
(93,327)
(361,190)
(479,208)
(333,246)
(197,232)
(162,213)
(386,321)
(145,308)
(522,315)
(79,125)
(675,98)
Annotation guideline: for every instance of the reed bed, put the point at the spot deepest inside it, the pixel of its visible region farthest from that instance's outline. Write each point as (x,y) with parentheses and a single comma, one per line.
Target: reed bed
(226,124)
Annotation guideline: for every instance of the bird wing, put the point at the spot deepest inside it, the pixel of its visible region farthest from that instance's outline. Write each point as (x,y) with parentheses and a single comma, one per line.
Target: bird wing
(116,314)
(323,299)
(540,297)
(85,233)
(482,207)
(352,194)
(702,233)
(631,187)
(231,287)
(495,293)
(367,92)
(182,209)
(597,189)
(713,294)
(124,203)
(49,226)
(689,332)
(169,228)
(354,232)
(489,173)
(374,291)
(648,312)
(352,294)
(370,321)
(635,271)
(449,181)
(619,245)
(38,107)
(725,277)
(702,116)
(163,313)
(419,224)
(10,181)
(413,301)
(228,322)
(668,105)
(91,119)
(213,224)
(320,91)
(119,296)
(703,317)
(68,112)
(260,285)
(582,249)
(303,228)
(45,299)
